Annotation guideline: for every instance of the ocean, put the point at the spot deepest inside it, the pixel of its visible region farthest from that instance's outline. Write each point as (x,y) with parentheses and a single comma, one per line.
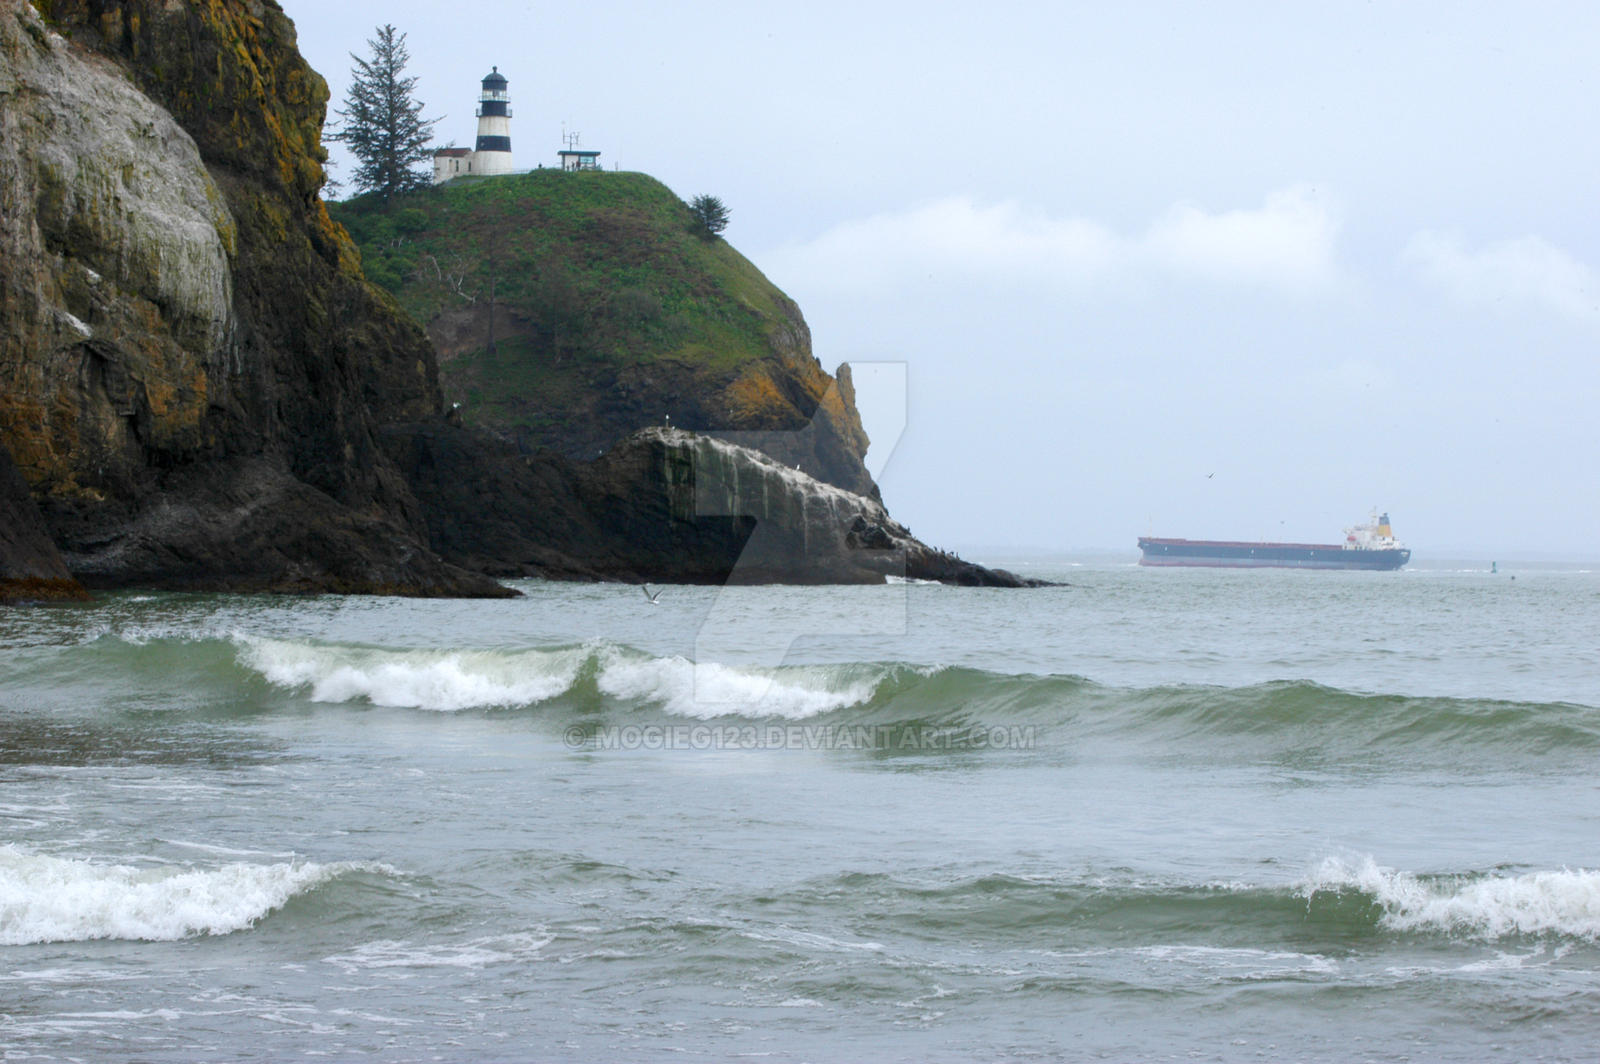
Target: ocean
(1152,815)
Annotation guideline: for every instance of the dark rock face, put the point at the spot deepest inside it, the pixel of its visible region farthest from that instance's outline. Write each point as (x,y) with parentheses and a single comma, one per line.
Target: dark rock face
(192,369)
(30,567)
(663,505)
(263,529)
(492,509)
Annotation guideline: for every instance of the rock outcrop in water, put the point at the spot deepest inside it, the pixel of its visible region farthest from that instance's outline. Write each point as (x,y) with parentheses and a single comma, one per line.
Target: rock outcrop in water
(663,505)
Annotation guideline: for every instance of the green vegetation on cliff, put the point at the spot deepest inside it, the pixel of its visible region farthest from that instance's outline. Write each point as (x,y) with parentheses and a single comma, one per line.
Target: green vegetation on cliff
(608,266)
(569,309)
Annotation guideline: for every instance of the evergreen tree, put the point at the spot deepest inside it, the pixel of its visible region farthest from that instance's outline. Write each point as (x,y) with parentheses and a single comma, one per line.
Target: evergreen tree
(710,215)
(383,123)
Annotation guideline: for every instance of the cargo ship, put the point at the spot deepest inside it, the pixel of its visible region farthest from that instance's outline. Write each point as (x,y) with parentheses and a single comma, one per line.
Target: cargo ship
(1368,546)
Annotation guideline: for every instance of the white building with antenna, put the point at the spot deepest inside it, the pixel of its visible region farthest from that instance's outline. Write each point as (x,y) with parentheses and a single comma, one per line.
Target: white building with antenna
(491,153)
(575,158)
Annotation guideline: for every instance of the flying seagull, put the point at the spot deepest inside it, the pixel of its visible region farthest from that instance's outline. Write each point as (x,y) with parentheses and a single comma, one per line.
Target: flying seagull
(646,589)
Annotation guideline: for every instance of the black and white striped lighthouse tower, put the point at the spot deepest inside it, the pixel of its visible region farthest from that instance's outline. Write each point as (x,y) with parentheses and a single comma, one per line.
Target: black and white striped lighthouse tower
(493,150)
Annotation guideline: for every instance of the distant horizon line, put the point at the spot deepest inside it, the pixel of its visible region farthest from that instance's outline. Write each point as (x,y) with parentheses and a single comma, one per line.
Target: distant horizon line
(1441,556)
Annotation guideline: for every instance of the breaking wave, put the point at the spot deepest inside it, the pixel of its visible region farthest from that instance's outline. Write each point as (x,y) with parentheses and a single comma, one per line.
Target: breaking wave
(57,899)
(1334,906)
(449,680)
(1297,716)
(1316,720)
(683,688)
(1562,903)
(418,679)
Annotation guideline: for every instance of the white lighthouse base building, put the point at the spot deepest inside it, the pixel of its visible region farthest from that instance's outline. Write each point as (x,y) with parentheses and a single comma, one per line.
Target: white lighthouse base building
(451,162)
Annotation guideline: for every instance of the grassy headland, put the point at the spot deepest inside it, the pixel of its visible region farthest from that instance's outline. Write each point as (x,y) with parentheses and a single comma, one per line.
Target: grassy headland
(610,309)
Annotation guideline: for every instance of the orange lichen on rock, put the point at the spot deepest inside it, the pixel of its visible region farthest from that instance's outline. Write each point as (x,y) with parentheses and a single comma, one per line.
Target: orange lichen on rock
(754,402)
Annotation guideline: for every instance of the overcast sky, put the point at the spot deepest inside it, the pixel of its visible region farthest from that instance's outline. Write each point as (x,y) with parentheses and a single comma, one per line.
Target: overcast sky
(1208,270)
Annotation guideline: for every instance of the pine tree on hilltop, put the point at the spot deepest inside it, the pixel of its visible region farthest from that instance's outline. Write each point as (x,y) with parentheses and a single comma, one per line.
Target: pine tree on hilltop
(710,215)
(383,123)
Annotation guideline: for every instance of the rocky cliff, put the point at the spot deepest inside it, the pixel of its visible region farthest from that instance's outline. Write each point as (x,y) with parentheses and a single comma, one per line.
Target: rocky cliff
(201,390)
(192,368)
(662,505)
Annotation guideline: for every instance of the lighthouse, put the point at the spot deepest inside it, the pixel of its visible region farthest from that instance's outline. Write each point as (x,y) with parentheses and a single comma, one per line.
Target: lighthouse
(491,154)
(493,150)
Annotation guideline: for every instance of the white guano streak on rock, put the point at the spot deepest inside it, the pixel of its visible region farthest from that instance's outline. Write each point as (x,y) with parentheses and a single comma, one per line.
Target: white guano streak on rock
(75,324)
(798,493)
(721,454)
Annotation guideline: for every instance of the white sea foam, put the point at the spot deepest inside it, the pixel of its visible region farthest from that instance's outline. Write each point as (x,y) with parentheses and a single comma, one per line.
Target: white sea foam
(1242,963)
(422,679)
(706,690)
(1502,962)
(810,940)
(227,851)
(56,899)
(73,973)
(477,953)
(147,632)
(1489,907)
(1236,962)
